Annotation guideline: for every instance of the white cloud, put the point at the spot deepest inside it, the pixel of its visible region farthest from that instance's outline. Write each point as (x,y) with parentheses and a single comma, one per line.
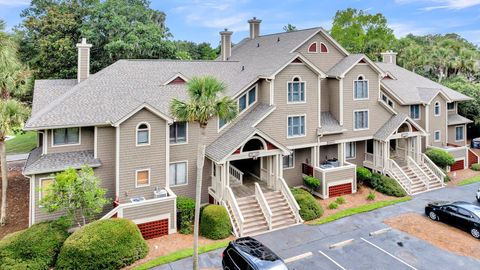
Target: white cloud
(13,3)
(443,4)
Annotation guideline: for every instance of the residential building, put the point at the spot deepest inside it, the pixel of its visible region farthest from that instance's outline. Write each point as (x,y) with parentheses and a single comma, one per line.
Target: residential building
(306,107)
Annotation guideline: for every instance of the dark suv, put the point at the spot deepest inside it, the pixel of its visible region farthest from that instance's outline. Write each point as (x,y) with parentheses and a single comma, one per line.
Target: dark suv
(248,254)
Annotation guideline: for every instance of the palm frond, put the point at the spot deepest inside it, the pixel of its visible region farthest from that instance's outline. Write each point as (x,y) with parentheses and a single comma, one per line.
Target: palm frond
(12,115)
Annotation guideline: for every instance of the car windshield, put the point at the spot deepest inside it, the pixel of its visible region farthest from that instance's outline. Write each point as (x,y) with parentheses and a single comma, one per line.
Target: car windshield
(477,213)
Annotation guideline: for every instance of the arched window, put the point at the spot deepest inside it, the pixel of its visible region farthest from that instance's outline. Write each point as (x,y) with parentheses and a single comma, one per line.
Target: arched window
(313,48)
(143,134)
(296,90)
(323,48)
(360,88)
(436,109)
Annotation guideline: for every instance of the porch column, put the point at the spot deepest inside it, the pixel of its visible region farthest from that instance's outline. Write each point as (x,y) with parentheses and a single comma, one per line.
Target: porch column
(227,173)
(386,151)
(341,153)
(418,146)
(314,156)
(222,180)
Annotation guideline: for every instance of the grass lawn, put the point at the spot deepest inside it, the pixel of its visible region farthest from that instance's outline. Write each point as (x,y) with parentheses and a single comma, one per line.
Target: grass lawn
(181,254)
(22,143)
(358,210)
(469,181)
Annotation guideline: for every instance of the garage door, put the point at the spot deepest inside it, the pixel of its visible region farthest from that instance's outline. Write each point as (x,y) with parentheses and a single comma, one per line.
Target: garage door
(338,190)
(458,165)
(154,228)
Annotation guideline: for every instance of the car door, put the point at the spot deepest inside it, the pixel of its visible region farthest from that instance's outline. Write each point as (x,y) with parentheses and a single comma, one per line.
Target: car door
(447,214)
(239,263)
(465,219)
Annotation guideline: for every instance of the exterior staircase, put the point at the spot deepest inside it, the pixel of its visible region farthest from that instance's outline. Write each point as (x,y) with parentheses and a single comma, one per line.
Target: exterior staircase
(255,221)
(282,215)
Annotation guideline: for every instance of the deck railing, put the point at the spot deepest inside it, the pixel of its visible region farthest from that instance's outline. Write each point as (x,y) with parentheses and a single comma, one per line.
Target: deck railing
(267,212)
(433,167)
(400,175)
(283,187)
(236,175)
(419,172)
(307,169)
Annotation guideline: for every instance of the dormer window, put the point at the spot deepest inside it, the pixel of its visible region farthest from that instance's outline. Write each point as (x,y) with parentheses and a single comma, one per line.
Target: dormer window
(143,134)
(296,91)
(360,88)
(323,48)
(248,99)
(313,48)
(436,109)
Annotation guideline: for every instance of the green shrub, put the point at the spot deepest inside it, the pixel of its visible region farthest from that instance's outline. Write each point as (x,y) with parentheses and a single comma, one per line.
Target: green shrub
(363,174)
(186,210)
(371,196)
(215,222)
(34,248)
(446,178)
(385,185)
(103,244)
(440,157)
(333,205)
(475,167)
(340,200)
(311,182)
(309,207)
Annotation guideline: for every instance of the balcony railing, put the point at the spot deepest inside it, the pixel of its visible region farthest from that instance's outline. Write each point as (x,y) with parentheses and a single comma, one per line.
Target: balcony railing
(307,169)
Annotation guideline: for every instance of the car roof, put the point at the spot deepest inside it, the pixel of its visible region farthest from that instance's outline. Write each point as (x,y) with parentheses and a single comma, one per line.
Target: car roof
(468,206)
(256,252)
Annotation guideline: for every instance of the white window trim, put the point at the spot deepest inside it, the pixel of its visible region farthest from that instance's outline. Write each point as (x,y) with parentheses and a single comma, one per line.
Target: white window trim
(388,99)
(368,87)
(463,127)
(304,90)
(69,144)
(419,111)
(305,124)
(186,135)
(136,177)
(186,172)
(293,162)
(317,48)
(40,188)
(454,106)
(439,136)
(149,134)
(439,109)
(238,102)
(368,119)
(354,144)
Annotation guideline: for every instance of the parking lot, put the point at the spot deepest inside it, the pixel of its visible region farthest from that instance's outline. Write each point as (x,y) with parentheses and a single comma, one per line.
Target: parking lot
(348,244)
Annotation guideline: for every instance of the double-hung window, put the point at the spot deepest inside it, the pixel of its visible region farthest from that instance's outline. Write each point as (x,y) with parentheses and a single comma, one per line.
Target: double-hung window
(142,178)
(436,136)
(143,134)
(66,136)
(360,88)
(415,111)
(459,133)
(178,173)
(350,150)
(451,106)
(288,161)
(296,126)
(45,184)
(178,132)
(361,120)
(436,109)
(296,91)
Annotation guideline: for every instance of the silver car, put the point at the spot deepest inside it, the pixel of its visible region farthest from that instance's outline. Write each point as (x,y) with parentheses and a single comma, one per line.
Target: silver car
(478,195)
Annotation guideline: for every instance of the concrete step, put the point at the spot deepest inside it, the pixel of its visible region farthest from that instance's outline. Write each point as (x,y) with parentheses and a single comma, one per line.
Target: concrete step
(255,230)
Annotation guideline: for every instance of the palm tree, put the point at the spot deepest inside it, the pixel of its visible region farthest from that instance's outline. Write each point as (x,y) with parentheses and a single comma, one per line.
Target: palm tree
(206,101)
(13,113)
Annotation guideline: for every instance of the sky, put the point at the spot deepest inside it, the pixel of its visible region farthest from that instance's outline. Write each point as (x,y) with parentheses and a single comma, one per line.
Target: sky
(201,20)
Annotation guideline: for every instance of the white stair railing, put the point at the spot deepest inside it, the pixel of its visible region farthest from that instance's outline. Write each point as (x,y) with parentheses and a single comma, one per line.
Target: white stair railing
(419,172)
(433,168)
(235,174)
(237,214)
(292,203)
(267,212)
(399,174)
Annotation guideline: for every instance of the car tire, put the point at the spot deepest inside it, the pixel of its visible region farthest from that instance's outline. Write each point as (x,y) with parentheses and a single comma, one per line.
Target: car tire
(433,216)
(475,232)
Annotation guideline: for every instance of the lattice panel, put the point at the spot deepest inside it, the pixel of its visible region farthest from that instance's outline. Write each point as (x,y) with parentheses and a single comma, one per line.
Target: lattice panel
(154,229)
(339,190)
(458,165)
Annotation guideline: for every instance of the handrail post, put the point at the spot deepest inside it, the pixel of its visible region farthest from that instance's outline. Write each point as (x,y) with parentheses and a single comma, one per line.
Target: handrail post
(267,212)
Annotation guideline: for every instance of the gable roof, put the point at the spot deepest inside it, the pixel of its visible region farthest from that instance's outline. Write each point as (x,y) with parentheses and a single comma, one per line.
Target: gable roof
(347,63)
(411,88)
(393,124)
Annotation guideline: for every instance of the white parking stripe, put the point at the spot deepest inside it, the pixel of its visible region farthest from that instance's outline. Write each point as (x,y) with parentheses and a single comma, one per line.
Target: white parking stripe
(337,264)
(389,254)
(298,257)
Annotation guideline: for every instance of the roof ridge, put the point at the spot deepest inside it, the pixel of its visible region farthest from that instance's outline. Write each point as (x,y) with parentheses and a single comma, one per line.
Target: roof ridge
(176,60)
(290,32)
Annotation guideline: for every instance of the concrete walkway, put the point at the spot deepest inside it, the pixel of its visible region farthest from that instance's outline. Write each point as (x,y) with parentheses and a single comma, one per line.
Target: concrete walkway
(391,250)
(17,157)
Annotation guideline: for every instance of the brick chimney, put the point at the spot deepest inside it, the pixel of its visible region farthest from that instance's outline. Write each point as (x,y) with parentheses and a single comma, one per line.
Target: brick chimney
(254,27)
(389,57)
(83,68)
(226,44)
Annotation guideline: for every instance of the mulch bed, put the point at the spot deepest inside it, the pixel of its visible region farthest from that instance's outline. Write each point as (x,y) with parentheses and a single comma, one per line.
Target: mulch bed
(17,200)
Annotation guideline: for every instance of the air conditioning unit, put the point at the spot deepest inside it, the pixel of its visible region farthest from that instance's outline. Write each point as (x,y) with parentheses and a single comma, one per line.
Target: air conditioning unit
(160,193)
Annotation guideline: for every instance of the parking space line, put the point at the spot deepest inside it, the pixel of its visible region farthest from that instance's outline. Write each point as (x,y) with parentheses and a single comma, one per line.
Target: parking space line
(298,257)
(332,260)
(389,254)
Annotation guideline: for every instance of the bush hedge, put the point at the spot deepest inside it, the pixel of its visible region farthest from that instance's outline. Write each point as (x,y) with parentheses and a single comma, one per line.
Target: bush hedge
(103,244)
(333,205)
(385,185)
(311,182)
(186,212)
(363,174)
(440,157)
(309,207)
(215,222)
(34,248)
(475,167)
